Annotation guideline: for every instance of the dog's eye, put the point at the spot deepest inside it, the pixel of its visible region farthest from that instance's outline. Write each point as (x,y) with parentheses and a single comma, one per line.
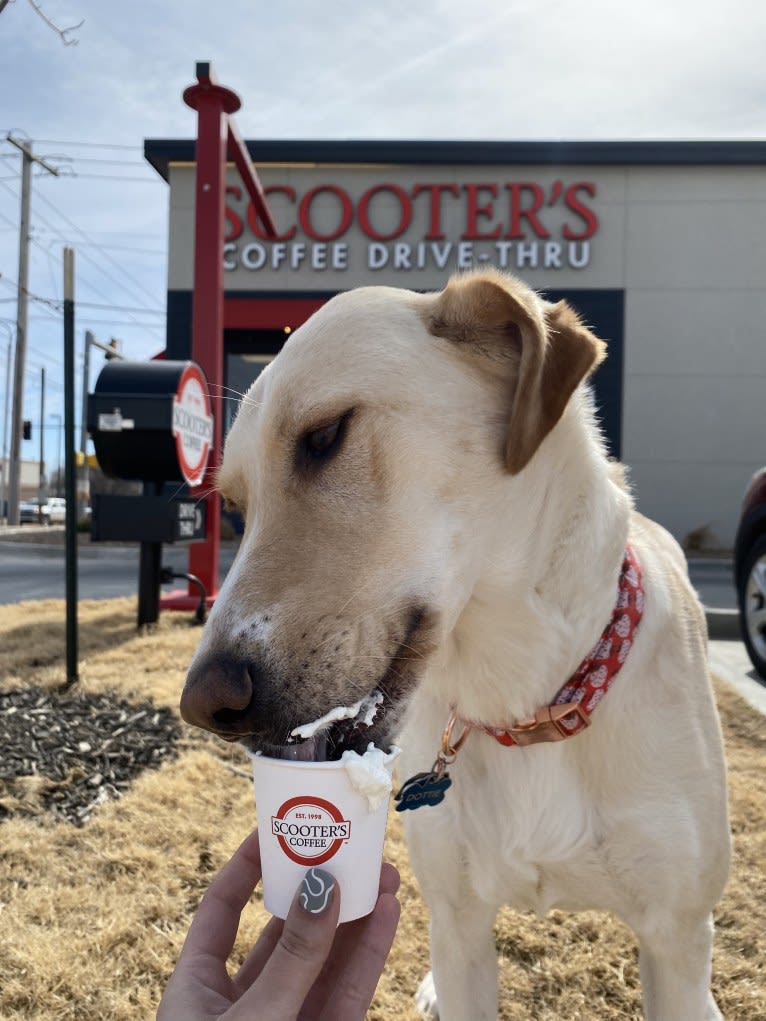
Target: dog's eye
(320,444)
(321,441)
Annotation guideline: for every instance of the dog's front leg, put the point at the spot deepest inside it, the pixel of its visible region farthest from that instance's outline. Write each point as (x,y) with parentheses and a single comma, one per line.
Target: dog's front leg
(675,972)
(462,985)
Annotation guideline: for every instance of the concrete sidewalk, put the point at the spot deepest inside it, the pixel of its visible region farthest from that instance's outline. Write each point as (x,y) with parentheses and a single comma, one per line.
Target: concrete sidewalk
(729,661)
(714,581)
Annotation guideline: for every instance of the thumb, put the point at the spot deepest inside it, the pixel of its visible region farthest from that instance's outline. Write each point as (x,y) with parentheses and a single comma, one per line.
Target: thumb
(303,948)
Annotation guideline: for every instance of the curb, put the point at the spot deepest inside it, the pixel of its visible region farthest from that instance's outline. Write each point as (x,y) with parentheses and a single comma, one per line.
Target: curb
(723,625)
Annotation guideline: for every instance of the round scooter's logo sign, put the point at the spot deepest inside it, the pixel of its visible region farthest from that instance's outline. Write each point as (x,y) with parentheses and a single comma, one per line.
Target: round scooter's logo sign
(310,830)
(192,424)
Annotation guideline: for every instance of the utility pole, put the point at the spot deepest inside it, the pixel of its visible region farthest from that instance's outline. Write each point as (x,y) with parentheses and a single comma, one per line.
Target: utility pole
(41,484)
(70,530)
(83,481)
(111,350)
(4,479)
(28,158)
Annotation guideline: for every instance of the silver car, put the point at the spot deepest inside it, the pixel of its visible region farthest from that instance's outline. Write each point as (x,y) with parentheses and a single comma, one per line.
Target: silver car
(30,513)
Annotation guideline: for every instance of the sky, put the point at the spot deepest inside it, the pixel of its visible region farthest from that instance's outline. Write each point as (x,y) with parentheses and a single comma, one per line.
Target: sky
(339,69)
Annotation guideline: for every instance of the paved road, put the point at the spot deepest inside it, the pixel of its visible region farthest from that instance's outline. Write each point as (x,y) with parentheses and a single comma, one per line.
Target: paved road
(35,570)
(30,570)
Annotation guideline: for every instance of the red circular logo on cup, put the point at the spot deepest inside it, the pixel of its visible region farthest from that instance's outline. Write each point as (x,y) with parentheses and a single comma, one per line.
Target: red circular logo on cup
(310,830)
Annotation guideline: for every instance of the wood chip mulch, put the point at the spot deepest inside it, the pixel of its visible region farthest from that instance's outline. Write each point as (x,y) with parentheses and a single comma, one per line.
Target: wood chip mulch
(66,753)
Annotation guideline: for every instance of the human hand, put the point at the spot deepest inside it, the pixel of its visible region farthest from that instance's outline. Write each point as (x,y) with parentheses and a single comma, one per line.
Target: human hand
(304,967)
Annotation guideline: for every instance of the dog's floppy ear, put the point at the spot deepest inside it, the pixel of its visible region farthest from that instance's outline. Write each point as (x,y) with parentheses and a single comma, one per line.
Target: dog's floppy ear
(555,352)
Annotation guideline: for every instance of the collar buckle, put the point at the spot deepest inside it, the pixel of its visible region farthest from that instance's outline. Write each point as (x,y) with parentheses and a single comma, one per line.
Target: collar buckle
(550,723)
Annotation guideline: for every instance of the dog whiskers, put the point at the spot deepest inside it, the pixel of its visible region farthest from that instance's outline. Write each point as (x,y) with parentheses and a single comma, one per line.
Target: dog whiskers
(235,395)
(409,648)
(354,621)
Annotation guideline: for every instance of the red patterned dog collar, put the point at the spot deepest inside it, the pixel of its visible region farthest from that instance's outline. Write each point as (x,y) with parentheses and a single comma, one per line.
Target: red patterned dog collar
(569,712)
(571,709)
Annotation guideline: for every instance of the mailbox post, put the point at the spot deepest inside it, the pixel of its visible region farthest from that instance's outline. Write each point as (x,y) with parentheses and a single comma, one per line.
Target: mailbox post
(151,422)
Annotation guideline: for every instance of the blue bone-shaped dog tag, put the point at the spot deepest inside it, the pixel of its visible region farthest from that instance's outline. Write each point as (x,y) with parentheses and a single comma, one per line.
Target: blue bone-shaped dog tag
(422,789)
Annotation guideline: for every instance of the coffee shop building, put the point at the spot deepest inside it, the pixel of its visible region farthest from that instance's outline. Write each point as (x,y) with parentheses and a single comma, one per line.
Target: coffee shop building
(661,247)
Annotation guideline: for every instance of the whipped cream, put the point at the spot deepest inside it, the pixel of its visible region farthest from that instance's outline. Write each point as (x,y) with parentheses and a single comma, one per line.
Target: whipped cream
(370,774)
(362,711)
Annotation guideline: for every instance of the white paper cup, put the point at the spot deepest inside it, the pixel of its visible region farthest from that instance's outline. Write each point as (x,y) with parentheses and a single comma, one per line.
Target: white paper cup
(310,815)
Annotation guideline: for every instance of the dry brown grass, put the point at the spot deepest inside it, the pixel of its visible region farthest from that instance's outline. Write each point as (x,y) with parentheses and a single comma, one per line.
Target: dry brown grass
(92,919)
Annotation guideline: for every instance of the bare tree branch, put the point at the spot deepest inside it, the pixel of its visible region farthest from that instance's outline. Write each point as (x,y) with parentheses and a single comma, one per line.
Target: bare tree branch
(3,3)
(60,31)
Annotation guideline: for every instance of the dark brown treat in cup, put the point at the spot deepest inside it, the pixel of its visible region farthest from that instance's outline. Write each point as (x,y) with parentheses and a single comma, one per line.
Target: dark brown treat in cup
(312,749)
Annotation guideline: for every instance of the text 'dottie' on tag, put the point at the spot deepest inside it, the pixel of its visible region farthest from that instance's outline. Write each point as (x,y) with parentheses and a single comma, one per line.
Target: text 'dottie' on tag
(422,789)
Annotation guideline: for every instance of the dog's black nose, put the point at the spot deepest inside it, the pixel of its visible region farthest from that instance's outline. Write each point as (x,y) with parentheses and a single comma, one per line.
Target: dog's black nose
(219,696)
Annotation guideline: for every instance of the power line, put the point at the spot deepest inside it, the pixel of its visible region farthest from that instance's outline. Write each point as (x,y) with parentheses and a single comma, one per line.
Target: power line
(51,309)
(88,145)
(51,238)
(56,302)
(74,176)
(7,219)
(84,278)
(119,308)
(88,258)
(95,244)
(52,302)
(146,327)
(139,251)
(122,234)
(99,159)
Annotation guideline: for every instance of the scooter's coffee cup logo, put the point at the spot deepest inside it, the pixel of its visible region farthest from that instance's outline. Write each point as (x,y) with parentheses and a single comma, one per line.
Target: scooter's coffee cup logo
(310,830)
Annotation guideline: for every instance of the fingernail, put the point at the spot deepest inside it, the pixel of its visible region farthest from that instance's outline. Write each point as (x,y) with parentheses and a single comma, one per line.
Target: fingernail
(315,892)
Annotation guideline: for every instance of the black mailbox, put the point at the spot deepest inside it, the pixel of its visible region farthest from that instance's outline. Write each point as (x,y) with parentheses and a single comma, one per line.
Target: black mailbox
(151,421)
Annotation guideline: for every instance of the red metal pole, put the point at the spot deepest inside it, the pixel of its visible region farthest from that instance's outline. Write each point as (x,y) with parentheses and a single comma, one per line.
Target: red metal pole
(217,135)
(213,103)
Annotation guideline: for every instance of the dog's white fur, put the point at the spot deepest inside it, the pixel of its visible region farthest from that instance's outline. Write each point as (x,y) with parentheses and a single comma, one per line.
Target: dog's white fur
(516,553)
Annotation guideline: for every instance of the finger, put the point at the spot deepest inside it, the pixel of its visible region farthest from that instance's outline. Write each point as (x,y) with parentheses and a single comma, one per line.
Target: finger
(347,940)
(389,879)
(215,925)
(301,951)
(259,954)
(346,935)
(356,983)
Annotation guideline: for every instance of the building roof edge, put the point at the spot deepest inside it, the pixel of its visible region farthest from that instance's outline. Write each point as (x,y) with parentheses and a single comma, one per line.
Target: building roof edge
(161,152)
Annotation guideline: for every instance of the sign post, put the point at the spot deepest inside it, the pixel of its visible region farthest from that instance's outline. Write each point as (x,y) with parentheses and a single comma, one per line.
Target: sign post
(217,139)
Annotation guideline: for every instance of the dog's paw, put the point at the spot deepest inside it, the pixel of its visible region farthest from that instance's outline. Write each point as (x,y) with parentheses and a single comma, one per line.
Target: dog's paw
(425,999)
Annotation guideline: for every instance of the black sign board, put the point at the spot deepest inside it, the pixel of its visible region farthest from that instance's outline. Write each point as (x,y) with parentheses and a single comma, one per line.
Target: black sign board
(148,518)
(190,520)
